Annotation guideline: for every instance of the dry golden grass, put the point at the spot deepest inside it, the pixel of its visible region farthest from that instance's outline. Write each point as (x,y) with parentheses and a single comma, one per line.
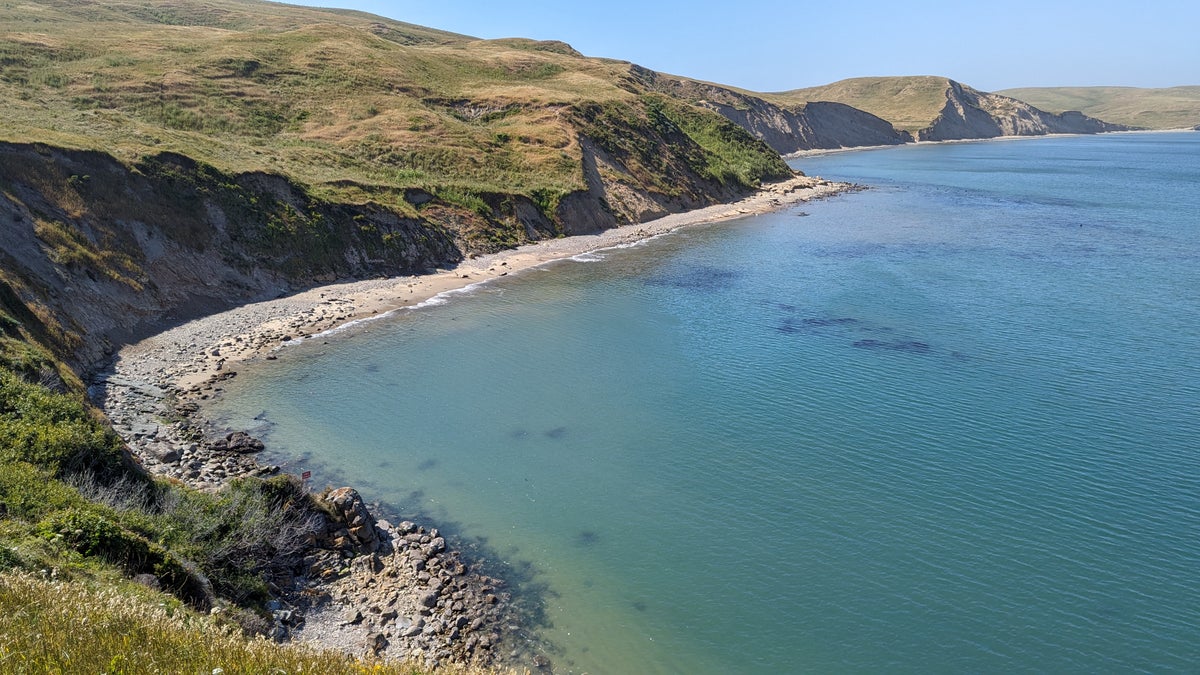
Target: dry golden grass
(909,103)
(324,96)
(1169,108)
(53,626)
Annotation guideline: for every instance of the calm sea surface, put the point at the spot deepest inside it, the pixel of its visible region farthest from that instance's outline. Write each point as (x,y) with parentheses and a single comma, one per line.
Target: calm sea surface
(948,424)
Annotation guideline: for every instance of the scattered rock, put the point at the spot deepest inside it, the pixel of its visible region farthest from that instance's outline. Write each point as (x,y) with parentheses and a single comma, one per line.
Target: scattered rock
(148,580)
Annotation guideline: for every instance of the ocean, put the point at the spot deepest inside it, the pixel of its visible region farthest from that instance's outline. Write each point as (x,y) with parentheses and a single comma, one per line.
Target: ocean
(949,423)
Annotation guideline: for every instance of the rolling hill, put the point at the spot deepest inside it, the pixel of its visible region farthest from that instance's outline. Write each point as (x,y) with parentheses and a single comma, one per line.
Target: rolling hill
(1169,108)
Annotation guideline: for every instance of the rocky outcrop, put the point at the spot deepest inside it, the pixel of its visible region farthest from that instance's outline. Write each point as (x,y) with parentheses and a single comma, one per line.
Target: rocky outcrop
(970,113)
(820,125)
(409,598)
(356,529)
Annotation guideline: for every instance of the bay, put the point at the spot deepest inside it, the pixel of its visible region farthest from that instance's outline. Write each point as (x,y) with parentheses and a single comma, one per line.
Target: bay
(945,424)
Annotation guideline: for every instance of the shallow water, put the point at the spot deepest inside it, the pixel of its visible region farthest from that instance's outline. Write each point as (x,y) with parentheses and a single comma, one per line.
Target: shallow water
(946,424)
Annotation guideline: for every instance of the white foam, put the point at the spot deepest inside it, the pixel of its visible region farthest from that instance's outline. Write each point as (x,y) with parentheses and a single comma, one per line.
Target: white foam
(439,299)
(590,256)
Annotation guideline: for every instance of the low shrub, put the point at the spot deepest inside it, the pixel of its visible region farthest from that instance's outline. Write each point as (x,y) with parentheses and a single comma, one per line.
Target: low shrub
(54,431)
(93,534)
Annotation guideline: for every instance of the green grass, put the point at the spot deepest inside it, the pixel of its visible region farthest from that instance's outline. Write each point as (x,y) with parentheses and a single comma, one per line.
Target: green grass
(319,96)
(331,99)
(731,156)
(1169,108)
(64,477)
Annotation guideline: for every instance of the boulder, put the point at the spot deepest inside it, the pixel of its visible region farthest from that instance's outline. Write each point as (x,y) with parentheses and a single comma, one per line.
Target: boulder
(167,454)
(240,441)
(348,507)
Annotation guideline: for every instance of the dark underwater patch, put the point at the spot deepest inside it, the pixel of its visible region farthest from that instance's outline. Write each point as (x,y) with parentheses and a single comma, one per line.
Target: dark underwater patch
(813,324)
(911,346)
(705,278)
(823,322)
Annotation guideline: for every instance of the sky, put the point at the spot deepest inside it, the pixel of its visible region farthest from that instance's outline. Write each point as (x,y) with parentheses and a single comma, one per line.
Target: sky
(776,45)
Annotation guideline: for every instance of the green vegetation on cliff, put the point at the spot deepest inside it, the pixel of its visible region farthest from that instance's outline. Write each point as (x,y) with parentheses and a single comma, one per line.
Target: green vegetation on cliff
(78,521)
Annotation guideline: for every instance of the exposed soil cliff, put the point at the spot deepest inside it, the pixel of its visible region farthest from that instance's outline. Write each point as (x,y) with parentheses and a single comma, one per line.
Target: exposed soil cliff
(103,252)
(818,125)
(969,113)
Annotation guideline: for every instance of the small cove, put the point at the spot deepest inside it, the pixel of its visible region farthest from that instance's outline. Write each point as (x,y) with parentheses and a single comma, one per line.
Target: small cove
(948,422)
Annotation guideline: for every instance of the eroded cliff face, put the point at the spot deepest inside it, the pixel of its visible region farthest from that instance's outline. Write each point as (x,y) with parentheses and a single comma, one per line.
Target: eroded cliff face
(101,252)
(821,124)
(818,125)
(970,113)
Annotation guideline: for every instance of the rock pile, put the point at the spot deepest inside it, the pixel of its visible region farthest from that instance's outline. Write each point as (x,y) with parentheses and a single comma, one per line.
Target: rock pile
(365,587)
(163,431)
(396,592)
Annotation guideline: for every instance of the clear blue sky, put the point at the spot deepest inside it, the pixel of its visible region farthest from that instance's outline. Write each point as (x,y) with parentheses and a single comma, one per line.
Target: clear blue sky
(773,45)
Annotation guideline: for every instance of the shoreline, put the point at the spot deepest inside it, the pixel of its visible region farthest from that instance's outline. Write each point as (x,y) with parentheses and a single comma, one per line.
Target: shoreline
(188,357)
(818,152)
(154,391)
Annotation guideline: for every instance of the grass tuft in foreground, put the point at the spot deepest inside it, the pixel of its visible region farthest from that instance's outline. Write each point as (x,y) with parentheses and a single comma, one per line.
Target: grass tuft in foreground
(52,626)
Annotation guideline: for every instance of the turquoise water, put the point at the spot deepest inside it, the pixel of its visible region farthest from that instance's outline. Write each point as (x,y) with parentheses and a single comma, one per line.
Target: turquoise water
(946,424)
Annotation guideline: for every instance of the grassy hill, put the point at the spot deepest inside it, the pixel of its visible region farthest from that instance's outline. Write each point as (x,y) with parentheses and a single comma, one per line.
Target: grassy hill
(365,145)
(909,103)
(338,100)
(1170,108)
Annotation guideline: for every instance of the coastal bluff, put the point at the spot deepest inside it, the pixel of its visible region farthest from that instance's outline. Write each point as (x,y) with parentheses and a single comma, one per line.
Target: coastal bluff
(930,108)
